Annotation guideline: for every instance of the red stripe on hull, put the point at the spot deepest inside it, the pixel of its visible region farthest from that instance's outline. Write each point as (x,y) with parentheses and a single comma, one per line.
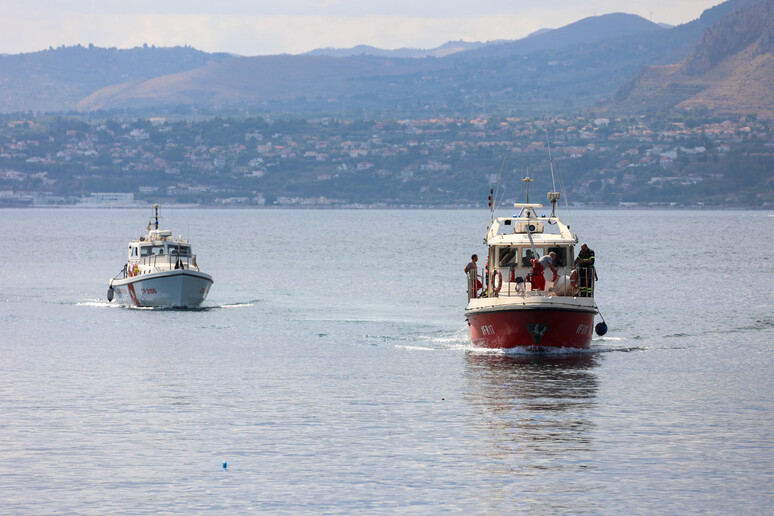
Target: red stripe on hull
(133,294)
(534,328)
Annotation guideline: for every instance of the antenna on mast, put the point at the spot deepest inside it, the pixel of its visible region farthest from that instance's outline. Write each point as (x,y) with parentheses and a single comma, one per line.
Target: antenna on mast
(527,180)
(551,161)
(494,195)
(552,196)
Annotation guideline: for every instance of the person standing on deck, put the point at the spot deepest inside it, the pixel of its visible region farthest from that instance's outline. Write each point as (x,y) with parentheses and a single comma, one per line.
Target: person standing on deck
(471,269)
(548,262)
(585,263)
(536,275)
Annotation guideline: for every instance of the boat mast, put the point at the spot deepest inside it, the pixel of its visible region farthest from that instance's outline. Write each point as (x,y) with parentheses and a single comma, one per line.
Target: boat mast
(495,194)
(491,206)
(552,196)
(551,161)
(527,180)
(529,211)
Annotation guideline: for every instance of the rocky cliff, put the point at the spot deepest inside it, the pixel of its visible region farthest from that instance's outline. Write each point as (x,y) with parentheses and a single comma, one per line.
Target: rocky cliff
(730,71)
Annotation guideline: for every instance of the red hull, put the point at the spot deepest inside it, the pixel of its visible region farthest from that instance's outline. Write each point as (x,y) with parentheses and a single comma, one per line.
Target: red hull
(531,328)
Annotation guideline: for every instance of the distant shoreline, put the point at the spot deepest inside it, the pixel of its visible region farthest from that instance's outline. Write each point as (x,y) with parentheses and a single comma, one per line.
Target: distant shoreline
(391,207)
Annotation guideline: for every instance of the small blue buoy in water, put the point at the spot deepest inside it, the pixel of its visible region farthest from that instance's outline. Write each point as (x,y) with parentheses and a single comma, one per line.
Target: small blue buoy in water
(601,328)
(225,465)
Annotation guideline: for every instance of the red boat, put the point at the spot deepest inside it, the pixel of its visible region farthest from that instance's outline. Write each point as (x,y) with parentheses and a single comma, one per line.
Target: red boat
(524,304)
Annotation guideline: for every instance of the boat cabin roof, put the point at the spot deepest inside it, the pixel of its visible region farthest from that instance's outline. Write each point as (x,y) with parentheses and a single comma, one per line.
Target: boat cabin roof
(159,237)
(158,243)
(517,230)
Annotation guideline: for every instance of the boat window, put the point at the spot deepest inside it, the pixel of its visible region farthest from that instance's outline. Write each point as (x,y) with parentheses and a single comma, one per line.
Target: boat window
(507,257)
(145,250)
(134,251)
(528,255)
(184,250)
(561,255)
(157,250)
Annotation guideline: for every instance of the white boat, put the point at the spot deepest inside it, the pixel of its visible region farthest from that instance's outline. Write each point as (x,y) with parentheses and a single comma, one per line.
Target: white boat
(160,272)
(513,302)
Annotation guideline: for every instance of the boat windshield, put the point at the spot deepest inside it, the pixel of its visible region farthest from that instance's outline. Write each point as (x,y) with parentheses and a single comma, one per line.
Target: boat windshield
(154,250)
(513,256)
(508,256)
(182,250)
(158,250)
(528,255)
(561,255)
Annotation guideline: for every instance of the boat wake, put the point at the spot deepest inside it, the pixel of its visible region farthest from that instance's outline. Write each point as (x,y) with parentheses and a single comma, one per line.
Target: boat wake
(245,304)
(443,340)
(203,308)
(526,351)
(448,338)
(98,304)
(459,341)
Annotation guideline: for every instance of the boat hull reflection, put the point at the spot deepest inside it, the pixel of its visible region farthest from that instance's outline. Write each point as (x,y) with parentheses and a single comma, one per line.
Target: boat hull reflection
(534,419)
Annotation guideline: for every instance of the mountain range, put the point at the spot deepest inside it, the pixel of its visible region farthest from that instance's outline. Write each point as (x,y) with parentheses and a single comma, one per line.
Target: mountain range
(447,49)
(636,63)
(730,70)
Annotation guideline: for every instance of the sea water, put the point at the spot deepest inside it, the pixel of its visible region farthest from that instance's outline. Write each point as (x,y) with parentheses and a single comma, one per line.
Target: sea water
(330,372)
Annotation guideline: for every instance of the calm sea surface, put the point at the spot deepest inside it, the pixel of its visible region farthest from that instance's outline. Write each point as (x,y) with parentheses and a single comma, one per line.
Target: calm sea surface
(331,371)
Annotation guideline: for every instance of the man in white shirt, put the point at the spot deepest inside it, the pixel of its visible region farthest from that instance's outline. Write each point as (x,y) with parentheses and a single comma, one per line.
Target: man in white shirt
(548,262)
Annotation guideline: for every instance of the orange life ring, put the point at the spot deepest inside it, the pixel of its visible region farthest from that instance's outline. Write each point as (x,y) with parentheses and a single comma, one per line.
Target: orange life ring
(497,285)
(135,270)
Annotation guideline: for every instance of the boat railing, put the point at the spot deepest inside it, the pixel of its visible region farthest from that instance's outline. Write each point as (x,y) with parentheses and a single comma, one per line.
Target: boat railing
(507,282)
(474,283)
(122,273)
(159,263)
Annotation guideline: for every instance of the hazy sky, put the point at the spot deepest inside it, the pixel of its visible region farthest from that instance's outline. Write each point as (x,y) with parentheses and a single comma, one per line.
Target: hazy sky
(259,27)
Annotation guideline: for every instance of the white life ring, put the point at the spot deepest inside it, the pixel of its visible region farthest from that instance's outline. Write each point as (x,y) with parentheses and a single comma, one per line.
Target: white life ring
(497,281)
